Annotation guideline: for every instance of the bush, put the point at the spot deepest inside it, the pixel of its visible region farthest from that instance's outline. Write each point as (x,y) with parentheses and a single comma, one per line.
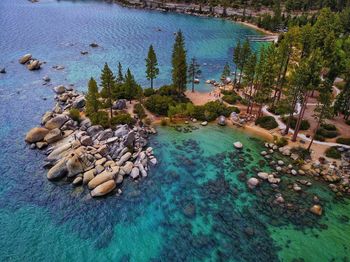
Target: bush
(148,92)
(304,125)
(139,111)
(233,109)
(329,127)
(333,152)
(327,133)
(167,90)
(122,119)
(159,104)
(74,114)
(148,121)
(231,99)
(343,140)
(281,141)
(100,118)
(319,138)
(347,122)
(267,122)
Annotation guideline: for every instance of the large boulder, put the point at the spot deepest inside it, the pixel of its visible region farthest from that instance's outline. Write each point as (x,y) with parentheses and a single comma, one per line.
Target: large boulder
(59,89)
(93,130)
(59,170)
(124,158)
(121,131)
(34,65)
(88,176)
(53,136)
(238,145)
(24,59)
(103,189)
(104,135)
(222,121)
(103,177)
(74,165)
(135,172)
(120,104)
(57,121)
(46,117)
(79,102)
(252,182)
(130,139)
(126,169)
(36,134)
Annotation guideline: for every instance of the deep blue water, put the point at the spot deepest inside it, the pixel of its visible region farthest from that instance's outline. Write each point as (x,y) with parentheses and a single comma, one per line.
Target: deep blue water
(194,206)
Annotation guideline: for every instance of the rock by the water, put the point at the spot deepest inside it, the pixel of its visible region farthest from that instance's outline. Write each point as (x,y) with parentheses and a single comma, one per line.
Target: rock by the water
(24,59)
(204,123)
(53,136)
(263,175)
(103,177)
(59,170)
(2,70)
(88,176)
(59,89)
(238,145)
(135,172)
(46,78)
(77,181)
(127,168)
(124,158)
(36,134)
(252,182)
(33,65)
(103,189)
(79,102)
(57,121)
(94,45)
(222,121)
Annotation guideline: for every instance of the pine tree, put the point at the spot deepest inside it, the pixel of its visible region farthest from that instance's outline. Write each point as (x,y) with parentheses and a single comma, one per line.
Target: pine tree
(107,84)
(120,77)
(92,102)
(152,69)
(179,71)
(131,89)
(245,52)
(193,72)
(249,76)
(236,58)
(226,71)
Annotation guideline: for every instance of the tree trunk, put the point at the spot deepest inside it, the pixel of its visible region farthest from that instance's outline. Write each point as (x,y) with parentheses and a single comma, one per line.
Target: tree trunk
(152,82)
(300,118)
(313,136)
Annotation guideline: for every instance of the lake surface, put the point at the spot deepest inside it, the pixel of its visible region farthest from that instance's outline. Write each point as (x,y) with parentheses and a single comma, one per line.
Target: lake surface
(194,206)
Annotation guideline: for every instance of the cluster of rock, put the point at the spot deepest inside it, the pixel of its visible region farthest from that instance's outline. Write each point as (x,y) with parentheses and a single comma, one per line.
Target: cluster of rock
(32,63)
(86,154)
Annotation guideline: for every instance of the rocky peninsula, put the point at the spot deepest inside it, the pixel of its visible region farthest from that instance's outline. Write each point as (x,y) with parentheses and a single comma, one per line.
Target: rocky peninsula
(90,155)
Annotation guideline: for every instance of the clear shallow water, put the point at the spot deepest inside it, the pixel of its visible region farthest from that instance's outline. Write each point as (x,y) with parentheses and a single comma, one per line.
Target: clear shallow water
(194,206)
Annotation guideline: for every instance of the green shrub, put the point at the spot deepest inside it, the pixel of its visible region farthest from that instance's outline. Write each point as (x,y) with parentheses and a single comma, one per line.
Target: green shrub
(159,104)
(74,114)
(333,152)
(100,118)
(148,121)
(139,111)
(122,119)
(233,109)
(148,92)
(329,127)
(327,133)
(343,140)
(267,122)
(304,125)
(281,141)
(319,138)
(167,90)
(230,99)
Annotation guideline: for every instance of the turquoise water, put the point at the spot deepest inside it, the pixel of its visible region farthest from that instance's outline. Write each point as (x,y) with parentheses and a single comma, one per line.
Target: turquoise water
(194,206)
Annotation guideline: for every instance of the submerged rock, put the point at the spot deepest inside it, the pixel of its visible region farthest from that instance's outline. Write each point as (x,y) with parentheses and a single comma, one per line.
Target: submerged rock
(252,182)
(317,210)
(238,145)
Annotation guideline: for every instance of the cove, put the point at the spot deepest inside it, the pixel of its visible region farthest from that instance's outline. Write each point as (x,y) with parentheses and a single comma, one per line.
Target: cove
(194,206)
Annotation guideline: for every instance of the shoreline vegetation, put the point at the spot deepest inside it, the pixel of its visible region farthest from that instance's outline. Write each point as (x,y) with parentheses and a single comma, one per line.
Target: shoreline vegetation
(105,140)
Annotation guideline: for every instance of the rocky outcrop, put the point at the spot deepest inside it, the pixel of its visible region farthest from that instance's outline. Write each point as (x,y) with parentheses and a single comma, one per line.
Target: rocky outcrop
(53,136)
(57,121)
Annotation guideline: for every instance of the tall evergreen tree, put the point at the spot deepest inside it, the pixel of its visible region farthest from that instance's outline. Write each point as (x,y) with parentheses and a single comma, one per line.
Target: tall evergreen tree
(179,71)
(131,89)
(108,83)
(120,77)
(152,69)
(226,71)
(236,58)
(245,52)
(249,76)
(193,72)
(92,102)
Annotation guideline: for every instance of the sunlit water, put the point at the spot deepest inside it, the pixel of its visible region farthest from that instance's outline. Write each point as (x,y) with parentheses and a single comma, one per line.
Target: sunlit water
(194,206)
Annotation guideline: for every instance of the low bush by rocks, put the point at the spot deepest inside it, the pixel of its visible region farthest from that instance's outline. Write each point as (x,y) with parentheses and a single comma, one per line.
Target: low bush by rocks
(343,140)
(333,152)
(304,125)
(267,122)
